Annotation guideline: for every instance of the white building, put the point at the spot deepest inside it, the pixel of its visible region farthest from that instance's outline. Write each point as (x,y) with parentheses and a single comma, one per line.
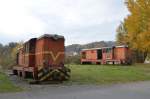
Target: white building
(147,60)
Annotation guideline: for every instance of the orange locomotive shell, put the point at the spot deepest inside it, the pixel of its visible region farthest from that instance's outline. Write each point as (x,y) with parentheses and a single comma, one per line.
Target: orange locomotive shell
(42,59)
(50,51)
(29,49)
(26,55)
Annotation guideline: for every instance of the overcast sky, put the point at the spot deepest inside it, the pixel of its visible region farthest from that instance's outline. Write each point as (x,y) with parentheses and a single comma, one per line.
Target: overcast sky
(80,21)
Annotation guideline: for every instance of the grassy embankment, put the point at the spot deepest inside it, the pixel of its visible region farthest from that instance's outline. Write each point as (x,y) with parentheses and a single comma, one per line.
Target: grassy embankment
(6,85)
(93,74)
(102,74)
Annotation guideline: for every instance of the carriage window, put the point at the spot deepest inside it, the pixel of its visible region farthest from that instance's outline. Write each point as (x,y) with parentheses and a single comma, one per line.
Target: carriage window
(108,50)
(32,47)
(84,55)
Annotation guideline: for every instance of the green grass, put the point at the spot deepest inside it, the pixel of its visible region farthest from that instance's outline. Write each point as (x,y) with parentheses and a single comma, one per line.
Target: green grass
(102,74)
(6,85)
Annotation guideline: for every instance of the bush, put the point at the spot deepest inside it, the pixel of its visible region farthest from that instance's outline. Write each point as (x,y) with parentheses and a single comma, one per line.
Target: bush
(72,59)
(7,59)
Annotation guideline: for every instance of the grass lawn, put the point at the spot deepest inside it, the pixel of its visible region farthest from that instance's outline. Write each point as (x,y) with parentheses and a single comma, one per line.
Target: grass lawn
(6,85)
(102,74)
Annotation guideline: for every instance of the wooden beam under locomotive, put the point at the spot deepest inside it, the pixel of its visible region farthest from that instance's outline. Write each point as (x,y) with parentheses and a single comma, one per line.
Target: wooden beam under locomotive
(42,59)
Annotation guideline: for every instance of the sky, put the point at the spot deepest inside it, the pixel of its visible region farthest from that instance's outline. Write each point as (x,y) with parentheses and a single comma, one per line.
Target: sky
(80,21)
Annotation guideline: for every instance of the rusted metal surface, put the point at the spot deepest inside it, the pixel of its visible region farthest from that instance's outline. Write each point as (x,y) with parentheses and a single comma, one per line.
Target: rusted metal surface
(90,56)
(110,55)
(49,51)
(42,57)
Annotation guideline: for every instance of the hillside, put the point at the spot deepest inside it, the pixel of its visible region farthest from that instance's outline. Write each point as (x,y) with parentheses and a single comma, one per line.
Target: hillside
(76,48)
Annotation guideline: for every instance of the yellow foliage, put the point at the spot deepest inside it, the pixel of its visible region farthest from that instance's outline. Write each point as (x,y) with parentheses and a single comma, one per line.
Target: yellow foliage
(138,24)
(15,50)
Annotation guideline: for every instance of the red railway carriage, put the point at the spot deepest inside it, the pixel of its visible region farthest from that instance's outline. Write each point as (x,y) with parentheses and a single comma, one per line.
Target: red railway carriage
(107,55)
(42,59)
(93,55)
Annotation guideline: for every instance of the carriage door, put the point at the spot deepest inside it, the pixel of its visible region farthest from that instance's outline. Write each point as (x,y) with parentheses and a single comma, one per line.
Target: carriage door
(99,54)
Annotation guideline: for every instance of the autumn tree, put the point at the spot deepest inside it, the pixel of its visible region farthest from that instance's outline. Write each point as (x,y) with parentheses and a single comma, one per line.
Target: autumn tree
(137,24)
(8,54)
(121,35)
(15,50)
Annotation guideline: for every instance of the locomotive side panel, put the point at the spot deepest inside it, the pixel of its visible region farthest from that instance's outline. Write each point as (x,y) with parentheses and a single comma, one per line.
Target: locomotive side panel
(38,52)
(28,53)
(32,46)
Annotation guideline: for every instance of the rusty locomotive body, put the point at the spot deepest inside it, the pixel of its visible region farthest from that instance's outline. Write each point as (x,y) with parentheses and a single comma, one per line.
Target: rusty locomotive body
(42,59)
(107,55)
